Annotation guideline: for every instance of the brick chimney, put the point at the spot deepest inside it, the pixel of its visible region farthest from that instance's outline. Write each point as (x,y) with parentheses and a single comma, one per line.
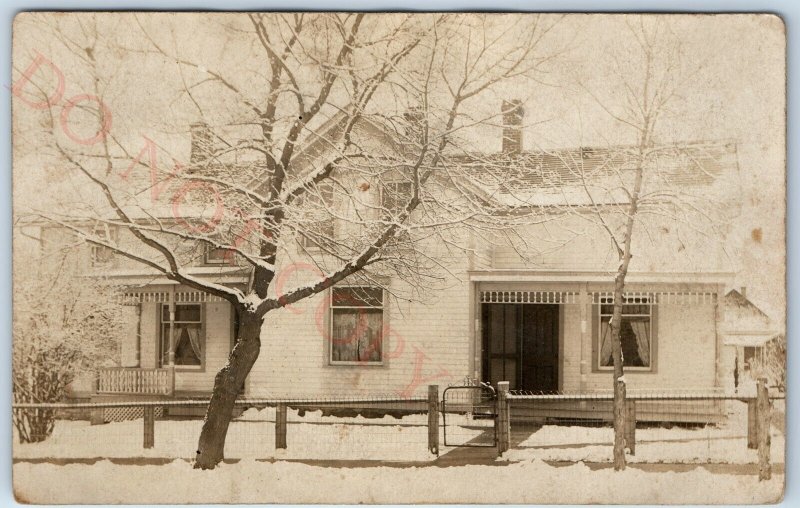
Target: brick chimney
(202,143)
(512,126)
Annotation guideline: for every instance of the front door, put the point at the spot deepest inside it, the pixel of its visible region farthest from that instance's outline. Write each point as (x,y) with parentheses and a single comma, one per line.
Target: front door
(520,345)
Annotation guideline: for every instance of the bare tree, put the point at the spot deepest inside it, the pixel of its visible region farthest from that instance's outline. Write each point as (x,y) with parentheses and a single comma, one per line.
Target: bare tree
(306,121)
(648,187)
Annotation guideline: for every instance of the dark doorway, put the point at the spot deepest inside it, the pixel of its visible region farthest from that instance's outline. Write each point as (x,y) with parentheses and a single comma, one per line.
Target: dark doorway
(520,345)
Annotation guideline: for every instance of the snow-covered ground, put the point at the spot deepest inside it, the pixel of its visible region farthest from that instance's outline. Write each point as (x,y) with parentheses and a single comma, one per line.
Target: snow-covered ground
(313,436)
(249,481)
(520,476)
(718,445)
(725,443)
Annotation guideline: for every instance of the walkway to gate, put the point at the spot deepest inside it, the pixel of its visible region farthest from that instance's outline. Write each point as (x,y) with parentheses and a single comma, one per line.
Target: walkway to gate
(483,455)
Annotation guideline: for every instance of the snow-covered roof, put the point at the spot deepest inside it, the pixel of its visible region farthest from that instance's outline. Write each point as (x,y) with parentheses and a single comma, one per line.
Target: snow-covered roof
(744,324)
(585,175)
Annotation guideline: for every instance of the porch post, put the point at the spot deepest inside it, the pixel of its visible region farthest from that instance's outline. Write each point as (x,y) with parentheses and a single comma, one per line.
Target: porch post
(763,430)
(171,351)
(586,338)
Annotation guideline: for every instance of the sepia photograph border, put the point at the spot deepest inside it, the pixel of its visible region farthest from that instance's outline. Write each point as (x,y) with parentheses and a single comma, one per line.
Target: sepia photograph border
(789,11)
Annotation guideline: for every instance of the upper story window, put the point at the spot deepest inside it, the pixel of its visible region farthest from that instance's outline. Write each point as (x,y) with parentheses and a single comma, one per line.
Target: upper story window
(356,318)
(102,255)
(217,256)
(319,228)
(637,334)
(394,197)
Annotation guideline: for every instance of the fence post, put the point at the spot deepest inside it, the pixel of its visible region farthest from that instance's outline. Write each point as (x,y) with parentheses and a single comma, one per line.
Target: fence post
(752,440)
(149,416)
(630,425)
(763,428)
(503,421)
(433,419)
(280,426)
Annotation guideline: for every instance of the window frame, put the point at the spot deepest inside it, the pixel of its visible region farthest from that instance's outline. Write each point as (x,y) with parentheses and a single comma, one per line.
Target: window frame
(597,317)
(111,235)
(160,323)
(208,248)
(330,338)
(385,211)
(327,224)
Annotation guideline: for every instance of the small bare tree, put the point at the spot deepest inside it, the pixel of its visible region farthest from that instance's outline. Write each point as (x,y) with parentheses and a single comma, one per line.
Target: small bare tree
(341,129)
(647,188)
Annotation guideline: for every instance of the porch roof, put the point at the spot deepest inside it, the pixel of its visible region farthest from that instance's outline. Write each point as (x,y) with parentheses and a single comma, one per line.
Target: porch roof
(579,276)
(748,338)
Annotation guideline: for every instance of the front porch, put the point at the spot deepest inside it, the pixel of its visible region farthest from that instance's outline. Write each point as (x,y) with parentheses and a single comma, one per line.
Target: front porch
(179,339)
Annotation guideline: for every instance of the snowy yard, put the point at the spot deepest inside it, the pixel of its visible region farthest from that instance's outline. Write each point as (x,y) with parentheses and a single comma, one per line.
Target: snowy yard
(252,435)
(316,437)
(723,443)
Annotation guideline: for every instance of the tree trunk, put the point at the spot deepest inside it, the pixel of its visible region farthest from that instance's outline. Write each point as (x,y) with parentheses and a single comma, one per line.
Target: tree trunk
(227,384)
(619,381)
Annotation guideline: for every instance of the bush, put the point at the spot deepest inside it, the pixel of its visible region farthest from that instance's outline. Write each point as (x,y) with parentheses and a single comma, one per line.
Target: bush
(64,324)
(771,363)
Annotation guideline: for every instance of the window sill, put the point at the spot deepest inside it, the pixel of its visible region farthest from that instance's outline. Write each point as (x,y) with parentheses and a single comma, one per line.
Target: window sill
(632,370)
(355,364)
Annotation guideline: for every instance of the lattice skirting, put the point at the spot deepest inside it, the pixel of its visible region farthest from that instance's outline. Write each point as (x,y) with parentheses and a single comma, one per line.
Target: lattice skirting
(121,414)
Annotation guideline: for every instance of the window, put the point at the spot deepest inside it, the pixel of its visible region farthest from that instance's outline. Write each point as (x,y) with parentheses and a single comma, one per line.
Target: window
(356,325)
(217,256)
(103,256)
(752,355)
(395,196)
(319,228)
(189,337)
(636,334)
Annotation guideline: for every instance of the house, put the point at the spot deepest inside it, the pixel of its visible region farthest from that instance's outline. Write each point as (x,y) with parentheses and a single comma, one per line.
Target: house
(538,318)
(747,330)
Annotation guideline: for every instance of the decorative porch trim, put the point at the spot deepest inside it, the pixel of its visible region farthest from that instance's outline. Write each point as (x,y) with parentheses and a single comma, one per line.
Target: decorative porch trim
(540,297)
(659,297)
(136,297)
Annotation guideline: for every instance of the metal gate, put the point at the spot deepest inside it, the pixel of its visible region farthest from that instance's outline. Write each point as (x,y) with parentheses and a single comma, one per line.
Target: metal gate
(469,415)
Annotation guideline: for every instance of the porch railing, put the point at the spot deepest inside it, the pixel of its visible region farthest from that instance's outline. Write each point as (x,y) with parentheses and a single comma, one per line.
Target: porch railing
(136,381)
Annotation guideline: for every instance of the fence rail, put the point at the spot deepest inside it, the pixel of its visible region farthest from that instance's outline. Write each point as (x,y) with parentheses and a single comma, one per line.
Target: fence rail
(656,396)
(289,401)
(343,428)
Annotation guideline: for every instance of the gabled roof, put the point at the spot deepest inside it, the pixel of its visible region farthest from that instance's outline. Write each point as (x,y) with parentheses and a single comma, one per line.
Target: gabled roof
(735,299)
(744,324)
